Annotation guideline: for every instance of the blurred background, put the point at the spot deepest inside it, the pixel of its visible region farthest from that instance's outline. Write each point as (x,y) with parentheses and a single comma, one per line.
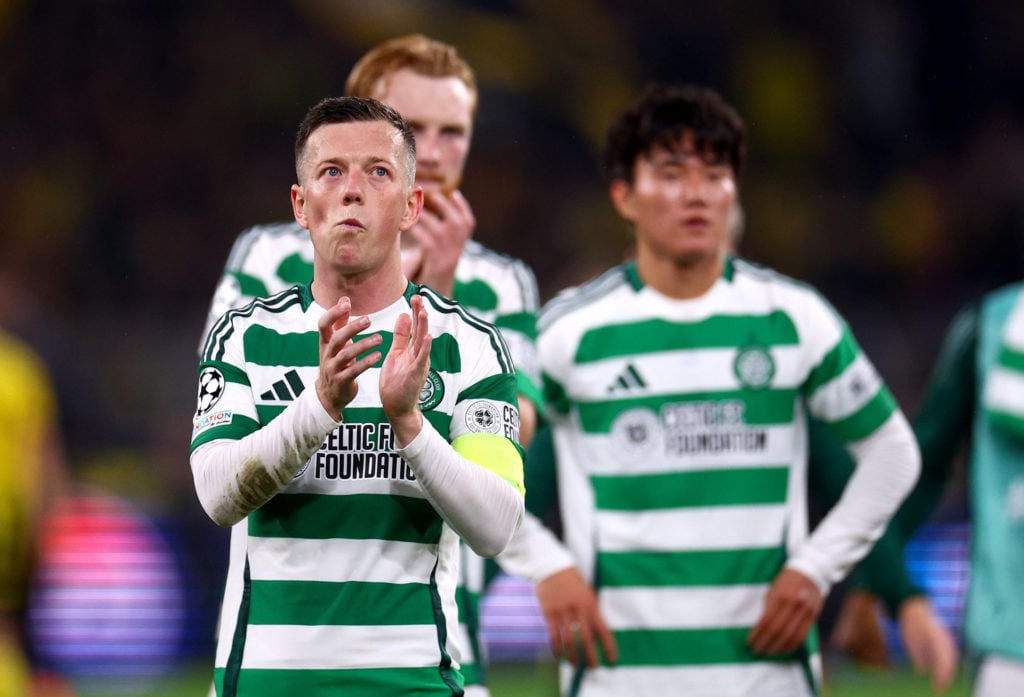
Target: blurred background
(137,139)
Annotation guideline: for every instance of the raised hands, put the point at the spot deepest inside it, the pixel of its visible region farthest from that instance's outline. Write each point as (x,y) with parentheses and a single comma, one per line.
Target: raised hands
(444,226)
(340,365)
(404,372)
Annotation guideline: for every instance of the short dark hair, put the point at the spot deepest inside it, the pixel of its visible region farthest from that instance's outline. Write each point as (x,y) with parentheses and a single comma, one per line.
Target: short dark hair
(349,110)
(660,117)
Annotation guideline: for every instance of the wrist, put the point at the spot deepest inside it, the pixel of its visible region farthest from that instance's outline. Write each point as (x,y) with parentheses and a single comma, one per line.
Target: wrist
(406,426)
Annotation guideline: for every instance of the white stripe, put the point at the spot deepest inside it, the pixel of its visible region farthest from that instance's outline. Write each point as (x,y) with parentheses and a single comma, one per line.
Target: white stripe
(718,527)
(338,560)
(731,680)
(1004,391)
(340,647)
(683,608)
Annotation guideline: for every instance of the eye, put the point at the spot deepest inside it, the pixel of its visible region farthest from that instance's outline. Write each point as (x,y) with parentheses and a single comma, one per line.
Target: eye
(379,171)
(332,171)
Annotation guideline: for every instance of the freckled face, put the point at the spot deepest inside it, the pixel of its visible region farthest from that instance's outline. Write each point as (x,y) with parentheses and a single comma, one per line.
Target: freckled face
(440,112)
(353,195)
(679,203)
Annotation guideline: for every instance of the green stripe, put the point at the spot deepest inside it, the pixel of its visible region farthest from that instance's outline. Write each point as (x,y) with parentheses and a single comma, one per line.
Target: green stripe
(265,346)
(357,517)
(365,682)
(294,269)
(313,603)
(657,335)
(555,395)
(476,295)
(675,647)
(1013,360)
(497,388)
(842,355)
(761,407)
(865,420)
(250,285)
(523,322)
(726,487)
(699,568)
(239,428)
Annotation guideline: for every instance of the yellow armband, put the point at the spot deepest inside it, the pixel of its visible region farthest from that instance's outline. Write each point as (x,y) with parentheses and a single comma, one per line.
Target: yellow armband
(495,453)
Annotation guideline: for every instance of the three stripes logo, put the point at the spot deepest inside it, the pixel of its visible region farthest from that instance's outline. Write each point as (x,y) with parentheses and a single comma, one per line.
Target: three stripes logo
(629,379)
(285,390)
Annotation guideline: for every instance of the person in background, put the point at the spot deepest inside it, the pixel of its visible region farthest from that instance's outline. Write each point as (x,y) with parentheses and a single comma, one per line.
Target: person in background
(678,386)
(434,89)
(975,397)
(33,477)
(351,431)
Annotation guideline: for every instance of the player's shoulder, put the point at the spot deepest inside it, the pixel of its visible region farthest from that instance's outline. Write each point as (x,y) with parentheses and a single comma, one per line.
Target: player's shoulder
(584,299)
(270,311)
(448,316)
(486,261)
(783,291)
(264,236)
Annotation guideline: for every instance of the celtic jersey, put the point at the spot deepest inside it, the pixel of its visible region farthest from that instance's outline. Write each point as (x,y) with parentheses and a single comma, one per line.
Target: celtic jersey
(266,259)
(346,578)
(681,441)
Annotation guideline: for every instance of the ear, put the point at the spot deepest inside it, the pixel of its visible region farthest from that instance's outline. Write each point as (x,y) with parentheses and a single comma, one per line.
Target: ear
(299,205)
(413,207)
(621,193)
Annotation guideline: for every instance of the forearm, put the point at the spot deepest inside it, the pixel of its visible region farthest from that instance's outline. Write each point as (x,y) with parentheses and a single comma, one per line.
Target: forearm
(534,553)
(235,477)
(484,509)
(888,464)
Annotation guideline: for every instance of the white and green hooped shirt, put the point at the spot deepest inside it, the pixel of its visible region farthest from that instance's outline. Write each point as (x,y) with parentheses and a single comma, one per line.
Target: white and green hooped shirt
(347,577)
(681,442)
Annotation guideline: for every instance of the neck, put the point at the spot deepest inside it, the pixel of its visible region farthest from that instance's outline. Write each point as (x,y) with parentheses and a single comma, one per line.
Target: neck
(682,279)
(368,291)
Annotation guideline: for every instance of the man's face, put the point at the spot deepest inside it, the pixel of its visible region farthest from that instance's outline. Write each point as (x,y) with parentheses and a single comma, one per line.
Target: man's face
(353,196)
(440,113)
(678,203)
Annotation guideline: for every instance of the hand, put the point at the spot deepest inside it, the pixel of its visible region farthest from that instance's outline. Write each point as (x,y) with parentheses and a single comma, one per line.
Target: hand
(404,371)
(444,226)
(791,608)
(928,642)
(336,385)
(858,631)
(573,616)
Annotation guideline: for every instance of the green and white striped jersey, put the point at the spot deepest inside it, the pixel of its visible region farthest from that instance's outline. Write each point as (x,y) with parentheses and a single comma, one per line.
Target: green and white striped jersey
(346,578)
(681,441)
(266,259)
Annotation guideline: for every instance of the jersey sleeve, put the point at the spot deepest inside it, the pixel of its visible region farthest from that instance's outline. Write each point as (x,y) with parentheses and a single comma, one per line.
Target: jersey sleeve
(1003,394)
(225,407)
(843,389)
(484,425)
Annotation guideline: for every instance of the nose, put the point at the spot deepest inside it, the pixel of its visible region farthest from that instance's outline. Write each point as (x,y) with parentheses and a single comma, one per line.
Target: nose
(428,148)
(353,190)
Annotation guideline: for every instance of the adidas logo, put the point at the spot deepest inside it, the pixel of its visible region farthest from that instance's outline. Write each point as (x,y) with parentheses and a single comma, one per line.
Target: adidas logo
(284,390)
(629,379)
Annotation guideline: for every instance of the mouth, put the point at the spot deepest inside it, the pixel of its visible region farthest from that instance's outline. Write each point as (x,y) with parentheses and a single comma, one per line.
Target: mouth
(695,222)
(350,224)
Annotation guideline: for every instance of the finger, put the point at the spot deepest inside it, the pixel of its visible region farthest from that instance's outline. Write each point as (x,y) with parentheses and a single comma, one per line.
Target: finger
(334,314)
(607,639)
(571,634)
(585,639)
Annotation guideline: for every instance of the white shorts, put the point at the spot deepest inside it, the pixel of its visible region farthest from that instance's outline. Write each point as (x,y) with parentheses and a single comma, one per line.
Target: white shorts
(999,676)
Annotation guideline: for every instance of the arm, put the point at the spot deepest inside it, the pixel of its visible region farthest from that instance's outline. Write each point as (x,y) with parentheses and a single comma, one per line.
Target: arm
(468,480)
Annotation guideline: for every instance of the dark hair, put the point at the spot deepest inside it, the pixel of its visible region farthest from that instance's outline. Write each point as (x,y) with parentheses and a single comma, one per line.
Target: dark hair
(349,110)
(660,117)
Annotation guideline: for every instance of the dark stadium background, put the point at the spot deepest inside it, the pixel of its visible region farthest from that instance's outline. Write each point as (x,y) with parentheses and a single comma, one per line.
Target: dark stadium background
(138,138)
